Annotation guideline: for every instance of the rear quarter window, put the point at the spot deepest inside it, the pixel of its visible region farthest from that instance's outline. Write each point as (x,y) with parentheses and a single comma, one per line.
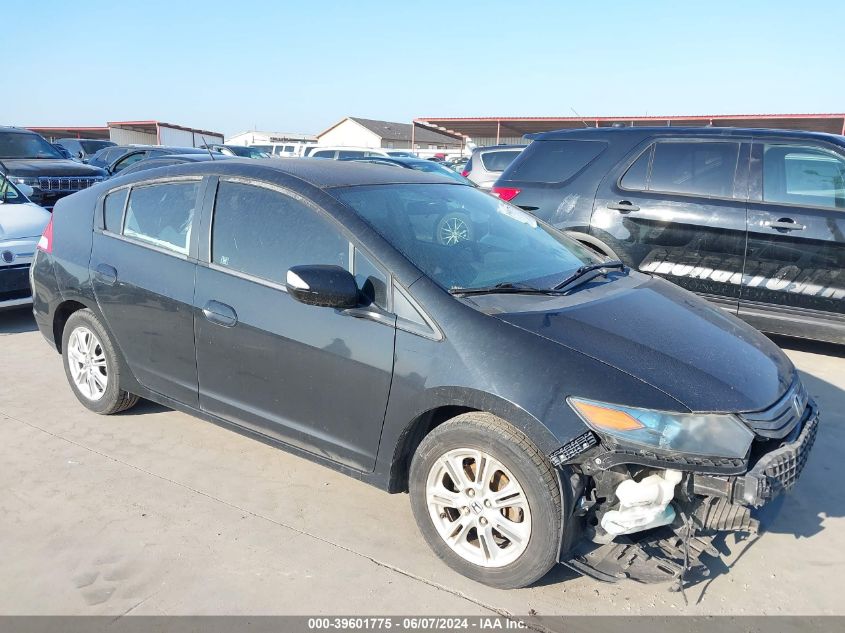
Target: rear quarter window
(555,161)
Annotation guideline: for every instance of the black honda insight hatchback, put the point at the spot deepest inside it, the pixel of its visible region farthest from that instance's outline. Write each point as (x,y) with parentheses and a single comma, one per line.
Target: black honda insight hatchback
(539,402)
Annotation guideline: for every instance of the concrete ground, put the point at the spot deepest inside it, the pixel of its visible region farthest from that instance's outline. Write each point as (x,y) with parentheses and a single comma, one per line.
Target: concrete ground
(156,512)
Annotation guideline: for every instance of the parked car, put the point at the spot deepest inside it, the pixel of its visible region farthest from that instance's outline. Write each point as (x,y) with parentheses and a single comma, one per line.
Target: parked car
(538,401)
(343,153)
(30,160)
(487,163)
(122,157)
(754,220)
(288,149)
(458,164)
(21,225)
(419,164)
(61,150)
(83,148)
(240,151)
(171,159)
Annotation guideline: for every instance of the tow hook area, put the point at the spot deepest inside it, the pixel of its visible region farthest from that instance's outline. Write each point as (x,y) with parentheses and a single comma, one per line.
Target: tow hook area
(649,526)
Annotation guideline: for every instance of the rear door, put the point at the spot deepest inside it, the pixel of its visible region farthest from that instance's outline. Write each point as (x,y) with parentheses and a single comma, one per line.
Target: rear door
(143,263)
(676,208)
(316,378)
(796,241)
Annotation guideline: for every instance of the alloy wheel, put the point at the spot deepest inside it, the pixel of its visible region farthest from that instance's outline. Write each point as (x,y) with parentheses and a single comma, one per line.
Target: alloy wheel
(478,507)
(87,363)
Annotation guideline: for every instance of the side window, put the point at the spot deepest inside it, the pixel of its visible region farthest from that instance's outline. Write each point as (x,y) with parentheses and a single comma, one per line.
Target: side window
(162,214)
(113,209)
(555,161)
(407,315)
(128,160)
(346,154)
(803,175)
(371,281)
(263,233)
(695,168)
(636,178)
(323,154)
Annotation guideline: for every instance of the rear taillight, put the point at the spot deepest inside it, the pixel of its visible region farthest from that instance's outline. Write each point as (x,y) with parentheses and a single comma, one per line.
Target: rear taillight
(505,193)
(465,173)
(46,242)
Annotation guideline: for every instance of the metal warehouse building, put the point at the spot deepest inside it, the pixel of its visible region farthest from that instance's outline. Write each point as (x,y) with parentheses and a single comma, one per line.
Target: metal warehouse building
(136,133)
(494,130)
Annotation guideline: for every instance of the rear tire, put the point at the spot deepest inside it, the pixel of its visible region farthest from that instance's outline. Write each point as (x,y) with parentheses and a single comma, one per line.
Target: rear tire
(501,528)
(91,365)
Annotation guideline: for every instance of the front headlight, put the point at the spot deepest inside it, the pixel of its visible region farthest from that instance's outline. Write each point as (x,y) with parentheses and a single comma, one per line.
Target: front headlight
(710,434)
(25,180)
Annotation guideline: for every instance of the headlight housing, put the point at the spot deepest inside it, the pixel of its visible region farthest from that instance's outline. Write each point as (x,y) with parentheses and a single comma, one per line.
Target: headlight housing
(32,181)
(708,434)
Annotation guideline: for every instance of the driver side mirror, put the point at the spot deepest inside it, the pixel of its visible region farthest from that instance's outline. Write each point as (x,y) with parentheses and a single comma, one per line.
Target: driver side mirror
(25,190)
(319,285)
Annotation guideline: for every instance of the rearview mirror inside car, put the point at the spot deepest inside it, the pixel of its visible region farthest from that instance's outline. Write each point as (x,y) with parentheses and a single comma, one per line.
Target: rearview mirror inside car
(319,285)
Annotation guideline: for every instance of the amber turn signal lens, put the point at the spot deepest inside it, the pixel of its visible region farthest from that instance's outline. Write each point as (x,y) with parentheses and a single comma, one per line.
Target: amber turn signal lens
(603,417)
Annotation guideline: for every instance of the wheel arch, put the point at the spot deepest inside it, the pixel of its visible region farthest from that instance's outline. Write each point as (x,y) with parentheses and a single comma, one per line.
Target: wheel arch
(592,242)
(447,403)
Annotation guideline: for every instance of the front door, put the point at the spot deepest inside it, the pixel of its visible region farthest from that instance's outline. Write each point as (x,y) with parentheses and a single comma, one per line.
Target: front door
(796,232)
(677,209)
(143,272)
(314,377)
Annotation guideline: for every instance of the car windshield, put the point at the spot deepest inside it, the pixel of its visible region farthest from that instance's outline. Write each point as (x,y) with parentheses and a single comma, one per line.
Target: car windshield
(9,194)
(17,145)
(436,168)
(463,238)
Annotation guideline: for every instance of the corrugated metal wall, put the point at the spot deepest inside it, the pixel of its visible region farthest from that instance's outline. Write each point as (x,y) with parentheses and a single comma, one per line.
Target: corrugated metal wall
(131,137)
(504,140)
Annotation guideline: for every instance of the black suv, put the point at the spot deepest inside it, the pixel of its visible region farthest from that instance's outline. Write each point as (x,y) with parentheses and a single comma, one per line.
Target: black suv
(30,160)
(754,220)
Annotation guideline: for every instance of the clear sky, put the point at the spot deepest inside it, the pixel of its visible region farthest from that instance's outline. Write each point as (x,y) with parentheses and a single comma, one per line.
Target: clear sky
(299,66)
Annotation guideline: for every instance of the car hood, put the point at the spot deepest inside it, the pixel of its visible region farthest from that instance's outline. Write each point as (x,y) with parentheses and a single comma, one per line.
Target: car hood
(22,220)
(50,167)
(694,352)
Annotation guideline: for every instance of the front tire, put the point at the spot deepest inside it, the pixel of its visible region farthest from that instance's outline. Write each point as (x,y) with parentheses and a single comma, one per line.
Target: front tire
(487,501)
(91,365)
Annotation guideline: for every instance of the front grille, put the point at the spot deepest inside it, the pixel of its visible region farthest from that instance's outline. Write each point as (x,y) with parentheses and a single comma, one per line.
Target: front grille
(778,470)
(14,282)
(778,420)
(67,184)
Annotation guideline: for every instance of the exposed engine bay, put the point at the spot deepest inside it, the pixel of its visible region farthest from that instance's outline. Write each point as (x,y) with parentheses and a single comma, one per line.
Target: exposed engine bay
(650,515)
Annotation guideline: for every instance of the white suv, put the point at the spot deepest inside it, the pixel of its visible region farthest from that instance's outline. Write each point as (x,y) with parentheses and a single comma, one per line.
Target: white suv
(345,153)
(21,226)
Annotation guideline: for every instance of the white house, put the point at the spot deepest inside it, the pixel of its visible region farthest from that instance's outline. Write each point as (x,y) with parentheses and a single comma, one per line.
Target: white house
(358,132)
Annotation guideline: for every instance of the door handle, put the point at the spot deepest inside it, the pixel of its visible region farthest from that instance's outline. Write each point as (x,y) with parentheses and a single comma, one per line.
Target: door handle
(107,274)
(787,224)
(623,207)
(220,313)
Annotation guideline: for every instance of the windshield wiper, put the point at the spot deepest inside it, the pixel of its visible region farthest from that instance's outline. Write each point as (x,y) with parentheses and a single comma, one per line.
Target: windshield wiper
(506,287)
(581,275)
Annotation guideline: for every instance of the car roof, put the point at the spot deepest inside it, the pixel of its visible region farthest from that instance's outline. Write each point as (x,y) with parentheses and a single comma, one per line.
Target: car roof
(609,132)
(16,130)
(318,172)
(494,148)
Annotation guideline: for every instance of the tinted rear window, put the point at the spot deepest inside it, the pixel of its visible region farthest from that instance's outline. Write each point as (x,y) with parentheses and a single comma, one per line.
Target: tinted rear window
(556,161)
(498,161)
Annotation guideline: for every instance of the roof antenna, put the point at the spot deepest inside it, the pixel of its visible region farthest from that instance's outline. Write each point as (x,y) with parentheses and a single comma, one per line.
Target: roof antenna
(579,116)
(208,149)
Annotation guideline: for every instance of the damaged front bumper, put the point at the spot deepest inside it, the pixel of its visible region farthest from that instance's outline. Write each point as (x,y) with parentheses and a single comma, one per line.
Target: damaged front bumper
(712,496)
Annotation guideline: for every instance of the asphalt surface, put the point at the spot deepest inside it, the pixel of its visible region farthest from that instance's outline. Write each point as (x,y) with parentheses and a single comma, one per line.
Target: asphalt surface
(156,512)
